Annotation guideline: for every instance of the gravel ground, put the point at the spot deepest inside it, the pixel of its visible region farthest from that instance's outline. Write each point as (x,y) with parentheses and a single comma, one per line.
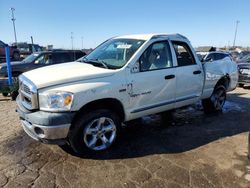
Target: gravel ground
(197,150)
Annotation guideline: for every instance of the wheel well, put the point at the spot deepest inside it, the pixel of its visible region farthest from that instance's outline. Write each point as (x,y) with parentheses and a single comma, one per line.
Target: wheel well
(16,51)
(108,103)
(225,80)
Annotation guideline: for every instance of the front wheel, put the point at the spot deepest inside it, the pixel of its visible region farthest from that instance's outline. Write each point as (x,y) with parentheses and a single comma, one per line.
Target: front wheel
(14,95)
(217,100)
(94,131)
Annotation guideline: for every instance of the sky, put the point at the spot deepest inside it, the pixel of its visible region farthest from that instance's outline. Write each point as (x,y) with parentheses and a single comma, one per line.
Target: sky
(204,22)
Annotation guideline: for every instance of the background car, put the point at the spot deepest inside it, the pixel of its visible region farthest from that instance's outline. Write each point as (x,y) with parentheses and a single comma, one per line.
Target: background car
(41,59)
(244,59)
(14,52)
(242,54)
(244,74)
(26,49)
(214,56)
(37,60)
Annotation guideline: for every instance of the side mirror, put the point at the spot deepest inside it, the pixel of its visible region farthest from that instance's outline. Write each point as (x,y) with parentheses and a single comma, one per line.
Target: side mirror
(135,68)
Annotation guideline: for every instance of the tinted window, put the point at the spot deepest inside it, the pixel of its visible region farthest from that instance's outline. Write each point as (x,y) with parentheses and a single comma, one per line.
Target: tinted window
(61,57)
(79,55)
(219,56)
(215,56)
(156,56)
(183,53)
(44,59)
(210,57)
(76,55)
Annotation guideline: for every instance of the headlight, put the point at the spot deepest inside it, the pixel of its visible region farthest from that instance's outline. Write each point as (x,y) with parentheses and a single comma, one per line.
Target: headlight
(56,101)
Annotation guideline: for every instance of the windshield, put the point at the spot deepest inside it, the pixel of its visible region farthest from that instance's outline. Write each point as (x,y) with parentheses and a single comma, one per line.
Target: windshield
(31,58)
(114,53)
(246,58)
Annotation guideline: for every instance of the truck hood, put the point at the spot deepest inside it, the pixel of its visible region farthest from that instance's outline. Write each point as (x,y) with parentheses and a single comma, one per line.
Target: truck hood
(64,73)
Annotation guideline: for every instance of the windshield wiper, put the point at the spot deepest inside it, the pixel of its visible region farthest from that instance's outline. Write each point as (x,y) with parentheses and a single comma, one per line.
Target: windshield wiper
(96,61)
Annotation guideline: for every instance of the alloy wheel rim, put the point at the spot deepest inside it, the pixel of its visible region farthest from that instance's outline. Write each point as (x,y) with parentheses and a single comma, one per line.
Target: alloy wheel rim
(100,133)
(219,99)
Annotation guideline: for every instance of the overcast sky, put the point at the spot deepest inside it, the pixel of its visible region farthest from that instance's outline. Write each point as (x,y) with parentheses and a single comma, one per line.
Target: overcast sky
(207,22)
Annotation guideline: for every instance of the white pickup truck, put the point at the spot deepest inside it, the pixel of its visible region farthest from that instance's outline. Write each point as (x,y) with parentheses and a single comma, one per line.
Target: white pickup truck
(82,104)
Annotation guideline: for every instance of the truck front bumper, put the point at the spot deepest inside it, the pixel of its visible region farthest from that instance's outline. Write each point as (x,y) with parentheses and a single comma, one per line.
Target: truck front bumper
(46,127)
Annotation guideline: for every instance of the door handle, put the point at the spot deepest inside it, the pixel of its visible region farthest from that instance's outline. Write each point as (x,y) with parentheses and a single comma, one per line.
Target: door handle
(168,77)
(197,72)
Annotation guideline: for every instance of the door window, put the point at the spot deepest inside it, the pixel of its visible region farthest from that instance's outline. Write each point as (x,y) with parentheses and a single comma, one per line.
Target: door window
(44,59)
(183,53)
(61,57)
(156,56)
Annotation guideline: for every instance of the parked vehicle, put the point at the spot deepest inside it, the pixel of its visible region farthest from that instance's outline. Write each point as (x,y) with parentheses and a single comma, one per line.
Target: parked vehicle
(245,59)
(40,59)
(215,56)
(14,52)
(81,105)
(37,60)
(27,49)
(242,54)
(244,74)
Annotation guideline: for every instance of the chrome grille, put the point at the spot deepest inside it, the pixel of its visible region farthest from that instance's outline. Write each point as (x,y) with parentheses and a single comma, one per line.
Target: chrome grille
(28,93)
(26,89)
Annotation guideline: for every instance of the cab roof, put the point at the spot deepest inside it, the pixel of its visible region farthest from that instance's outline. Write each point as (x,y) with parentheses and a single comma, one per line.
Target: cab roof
(153,36)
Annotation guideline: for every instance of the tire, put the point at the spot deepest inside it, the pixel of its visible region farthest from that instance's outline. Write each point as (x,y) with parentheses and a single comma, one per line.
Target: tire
(14,95)
(241,85)
(67,148)
(5,94)
(16,56)
(94,131)
(167,118)
(217,100)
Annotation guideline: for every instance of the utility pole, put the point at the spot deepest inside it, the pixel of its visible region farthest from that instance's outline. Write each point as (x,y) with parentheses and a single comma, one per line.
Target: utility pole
(235,34)
(13,20)
(82,43)
(72,40)
(32,42)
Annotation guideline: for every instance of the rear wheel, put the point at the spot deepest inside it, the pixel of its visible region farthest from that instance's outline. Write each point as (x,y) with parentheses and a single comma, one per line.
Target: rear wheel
(16,56)
(94,131)
(217,100)
(5,94)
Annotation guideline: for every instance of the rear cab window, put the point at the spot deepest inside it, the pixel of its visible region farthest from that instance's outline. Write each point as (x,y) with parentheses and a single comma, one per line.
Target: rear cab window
(183,54)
